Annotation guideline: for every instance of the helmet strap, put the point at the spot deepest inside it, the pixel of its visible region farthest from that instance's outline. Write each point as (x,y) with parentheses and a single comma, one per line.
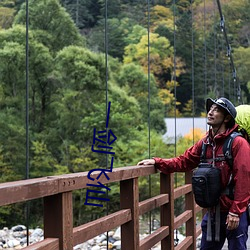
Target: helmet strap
(219,127)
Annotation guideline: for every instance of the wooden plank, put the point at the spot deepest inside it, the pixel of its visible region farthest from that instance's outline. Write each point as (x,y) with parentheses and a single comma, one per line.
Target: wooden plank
(152,203)
(190,205)
(46,244)
(198,231)
(129,196)
(154,238)
(24,190)
(198,228)
(178,192)
(167,210)
(80,180)
(90,230)
(58,219)
(185,244)
(198,209)
(182,218)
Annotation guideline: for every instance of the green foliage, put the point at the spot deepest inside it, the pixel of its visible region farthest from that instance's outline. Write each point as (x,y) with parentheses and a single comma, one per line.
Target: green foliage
(160,52)
(42,162)
(6,17)
(160,59)
(136,34)
(12,59)
(118,32)
(84,13)
(136,82)
(242,63)
(12,149)
(133,151)
(53,25)
(161,16)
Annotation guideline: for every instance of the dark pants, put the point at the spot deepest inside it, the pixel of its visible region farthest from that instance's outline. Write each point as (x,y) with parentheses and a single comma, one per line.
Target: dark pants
(237,238)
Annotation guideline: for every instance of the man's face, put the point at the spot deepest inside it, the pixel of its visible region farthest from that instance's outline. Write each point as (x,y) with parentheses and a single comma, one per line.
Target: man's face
(215,116)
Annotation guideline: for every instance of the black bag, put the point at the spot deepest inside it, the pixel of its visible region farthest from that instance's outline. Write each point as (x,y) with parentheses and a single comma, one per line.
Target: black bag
(206,181)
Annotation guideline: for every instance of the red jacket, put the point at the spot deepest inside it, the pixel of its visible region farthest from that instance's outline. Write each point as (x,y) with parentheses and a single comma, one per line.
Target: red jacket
(241,167)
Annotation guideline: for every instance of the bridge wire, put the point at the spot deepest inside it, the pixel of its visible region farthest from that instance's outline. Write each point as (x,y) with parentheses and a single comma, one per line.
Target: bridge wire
(221,61)
(77,13)
(27,206)
(149,120)
(175,95)
(229,83)
(215,51)
(174,76)
(205,48)
(106,97)
(192,73)
(222,68)
(236,82)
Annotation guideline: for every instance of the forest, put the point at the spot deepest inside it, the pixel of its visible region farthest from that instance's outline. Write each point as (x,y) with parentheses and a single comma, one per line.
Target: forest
(149,59)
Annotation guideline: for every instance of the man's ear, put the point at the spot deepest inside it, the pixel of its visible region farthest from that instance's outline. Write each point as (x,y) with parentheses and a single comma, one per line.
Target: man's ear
(228,118)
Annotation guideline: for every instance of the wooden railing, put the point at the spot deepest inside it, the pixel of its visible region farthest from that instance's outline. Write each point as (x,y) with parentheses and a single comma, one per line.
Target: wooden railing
(59,232)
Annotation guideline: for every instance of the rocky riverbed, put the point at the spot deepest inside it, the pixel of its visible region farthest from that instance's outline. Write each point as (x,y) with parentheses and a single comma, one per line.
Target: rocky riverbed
(16,238)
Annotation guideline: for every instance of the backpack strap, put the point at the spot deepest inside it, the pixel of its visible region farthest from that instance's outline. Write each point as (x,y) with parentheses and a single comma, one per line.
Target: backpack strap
(203,152)
(203,158)
(227,148)
(227,151)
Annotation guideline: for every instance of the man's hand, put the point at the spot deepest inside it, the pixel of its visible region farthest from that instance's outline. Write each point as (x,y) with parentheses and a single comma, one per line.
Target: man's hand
(232,221)
(146,162)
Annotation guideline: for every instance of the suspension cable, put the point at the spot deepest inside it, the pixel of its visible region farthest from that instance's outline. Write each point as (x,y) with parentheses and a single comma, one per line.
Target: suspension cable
(215,52)
(149,120)
(229,53)
(174,75)
(175,95)
(221,68)
(192,76)
(106,97)
(27,207)
(205,49)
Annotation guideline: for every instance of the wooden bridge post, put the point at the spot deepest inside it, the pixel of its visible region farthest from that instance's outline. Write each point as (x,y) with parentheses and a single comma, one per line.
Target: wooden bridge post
(129,198)
(58,219)
(190,205)
(167,210)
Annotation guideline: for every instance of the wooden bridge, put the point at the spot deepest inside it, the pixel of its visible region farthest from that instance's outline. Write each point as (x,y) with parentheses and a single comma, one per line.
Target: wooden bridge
(59,233)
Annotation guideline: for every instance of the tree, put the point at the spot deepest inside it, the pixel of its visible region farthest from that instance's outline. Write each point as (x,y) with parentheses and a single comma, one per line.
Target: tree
(53,25)
(237,18)
(40,60)
(6,17)
(161,16)
(161,63)
(242,64)
(84,13)
(80,103)
(132,78)
(161,57)
(118,31)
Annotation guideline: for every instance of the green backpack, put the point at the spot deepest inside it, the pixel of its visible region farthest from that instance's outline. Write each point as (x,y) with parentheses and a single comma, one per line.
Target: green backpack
(243,120)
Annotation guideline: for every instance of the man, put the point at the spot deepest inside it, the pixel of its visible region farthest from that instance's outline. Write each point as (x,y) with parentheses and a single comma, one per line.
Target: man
(221,115)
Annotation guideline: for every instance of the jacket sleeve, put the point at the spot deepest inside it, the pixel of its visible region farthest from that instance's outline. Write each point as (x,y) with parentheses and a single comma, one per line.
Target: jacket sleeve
(183,163)
(241,175)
